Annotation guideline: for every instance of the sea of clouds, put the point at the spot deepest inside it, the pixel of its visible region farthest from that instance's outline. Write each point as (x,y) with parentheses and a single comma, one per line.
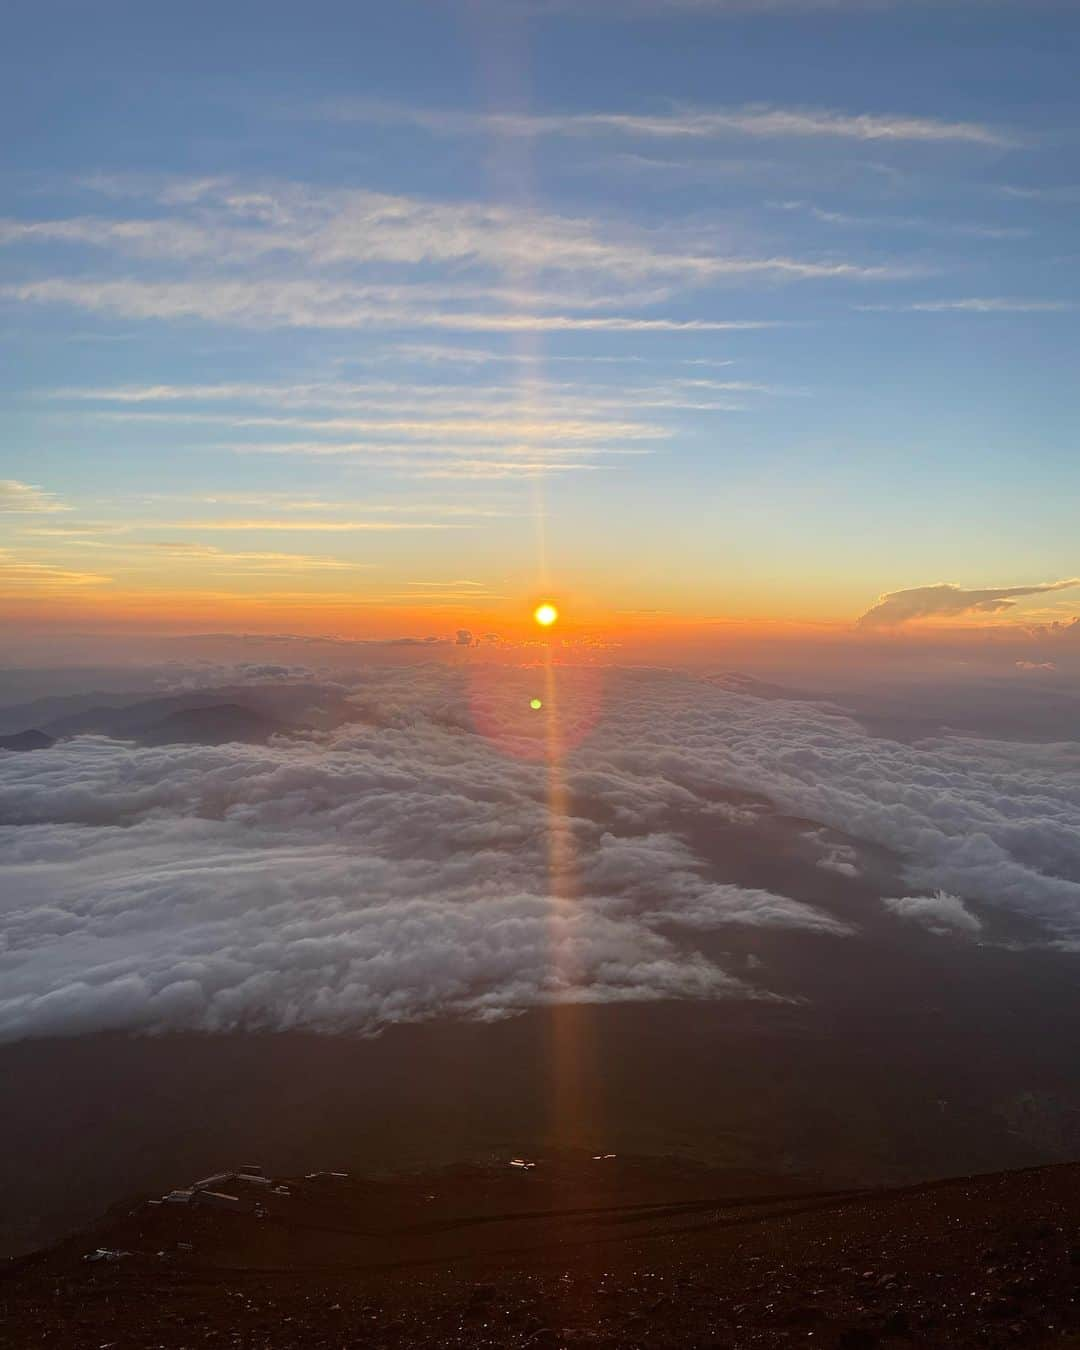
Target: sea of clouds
(399,867)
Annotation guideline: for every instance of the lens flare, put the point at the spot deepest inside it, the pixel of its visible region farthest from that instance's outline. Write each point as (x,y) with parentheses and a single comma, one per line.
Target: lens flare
(545,615)
(536,704)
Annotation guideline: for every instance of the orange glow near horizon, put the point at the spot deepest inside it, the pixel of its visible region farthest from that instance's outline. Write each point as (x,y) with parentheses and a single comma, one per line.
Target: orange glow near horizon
(112,621)
(98,619)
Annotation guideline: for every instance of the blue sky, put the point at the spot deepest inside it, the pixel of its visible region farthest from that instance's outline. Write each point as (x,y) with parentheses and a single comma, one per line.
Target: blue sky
(762,309)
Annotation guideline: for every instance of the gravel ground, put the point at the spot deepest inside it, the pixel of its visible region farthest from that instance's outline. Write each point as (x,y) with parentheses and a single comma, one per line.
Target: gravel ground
(471,1259)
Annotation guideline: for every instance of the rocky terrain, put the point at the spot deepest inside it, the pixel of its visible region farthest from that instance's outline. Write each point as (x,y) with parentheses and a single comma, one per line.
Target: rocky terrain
(599,1252)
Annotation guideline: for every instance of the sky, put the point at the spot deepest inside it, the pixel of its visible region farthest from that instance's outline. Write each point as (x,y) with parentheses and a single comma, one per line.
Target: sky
(386,321)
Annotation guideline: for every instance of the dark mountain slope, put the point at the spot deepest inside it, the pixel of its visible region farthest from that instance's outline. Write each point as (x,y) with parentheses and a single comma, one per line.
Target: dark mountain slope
(599,1252)
(216,724)
(27,740)
(194,719)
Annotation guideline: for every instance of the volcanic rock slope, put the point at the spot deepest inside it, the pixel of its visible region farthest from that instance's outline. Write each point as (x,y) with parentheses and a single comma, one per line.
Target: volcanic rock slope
(600,1252)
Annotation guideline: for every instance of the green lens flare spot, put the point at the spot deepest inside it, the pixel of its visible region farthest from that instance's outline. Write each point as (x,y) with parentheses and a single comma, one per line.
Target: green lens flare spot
(535,704)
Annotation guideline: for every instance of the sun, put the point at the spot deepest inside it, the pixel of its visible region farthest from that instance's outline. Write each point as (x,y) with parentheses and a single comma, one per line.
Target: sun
(545,614)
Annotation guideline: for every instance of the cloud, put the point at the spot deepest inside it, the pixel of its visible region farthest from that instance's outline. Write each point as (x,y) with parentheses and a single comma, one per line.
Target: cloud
(20,498)
(976,305)
(921,224)
(397,397)
(661,9)
(448,461)
(184,676)
(80,531)
(1057,628)
(942,913)
(397,869)
(419,419)
(421,426)
(945,600)
(313,639)
(19,576)
(296,887)
(762,121)
(1035,665)
(430,421)
(737,906)
(836,857)
(573,262)
(447,354)
(501,468)
(279,255)
(311,304)
(246,562)
(1062,192)
(305,525)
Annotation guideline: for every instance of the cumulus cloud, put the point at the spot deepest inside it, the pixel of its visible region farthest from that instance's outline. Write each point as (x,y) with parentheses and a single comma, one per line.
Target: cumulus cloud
(1057,628)
(180,676)
(397,868)
(836,857)
(945,600)
(941,913)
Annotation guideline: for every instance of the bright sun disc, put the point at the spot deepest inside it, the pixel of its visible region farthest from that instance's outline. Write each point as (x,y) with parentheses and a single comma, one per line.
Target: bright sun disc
(545,615)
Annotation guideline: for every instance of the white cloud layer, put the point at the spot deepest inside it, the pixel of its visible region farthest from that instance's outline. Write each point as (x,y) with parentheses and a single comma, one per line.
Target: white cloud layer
(397,869)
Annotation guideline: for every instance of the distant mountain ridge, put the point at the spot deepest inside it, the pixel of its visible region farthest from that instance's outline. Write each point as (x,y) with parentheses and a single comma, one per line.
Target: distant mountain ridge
(250,713)
(27,740)
(193,719)
(215,724)
(135,720)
